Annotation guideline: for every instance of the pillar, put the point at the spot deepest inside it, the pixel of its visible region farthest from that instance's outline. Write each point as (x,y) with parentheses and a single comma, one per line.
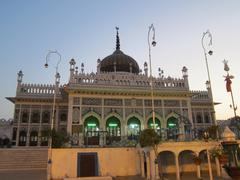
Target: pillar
(177,167)
(152,165)
(142,163)
(69,123)
(218,167)
(148,164)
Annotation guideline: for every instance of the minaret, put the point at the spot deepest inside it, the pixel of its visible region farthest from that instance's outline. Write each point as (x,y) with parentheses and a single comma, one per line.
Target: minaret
(72,67)
(19,80)
(185,76)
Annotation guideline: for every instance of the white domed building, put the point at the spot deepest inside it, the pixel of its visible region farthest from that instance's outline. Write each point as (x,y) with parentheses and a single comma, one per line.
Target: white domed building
(112,104)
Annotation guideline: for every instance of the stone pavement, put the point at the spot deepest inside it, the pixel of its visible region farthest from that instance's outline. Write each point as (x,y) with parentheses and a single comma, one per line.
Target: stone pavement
(41,175)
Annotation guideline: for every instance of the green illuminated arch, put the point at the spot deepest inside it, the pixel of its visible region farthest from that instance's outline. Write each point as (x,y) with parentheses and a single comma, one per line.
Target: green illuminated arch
(157,123)
(113,122)
(91,122)
(172,122)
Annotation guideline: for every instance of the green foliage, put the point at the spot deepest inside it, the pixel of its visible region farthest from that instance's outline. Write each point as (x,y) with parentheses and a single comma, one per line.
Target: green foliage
(149,138)
(59,138)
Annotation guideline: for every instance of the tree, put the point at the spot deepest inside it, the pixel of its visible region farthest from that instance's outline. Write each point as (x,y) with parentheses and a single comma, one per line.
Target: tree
(59,138)
(149,138)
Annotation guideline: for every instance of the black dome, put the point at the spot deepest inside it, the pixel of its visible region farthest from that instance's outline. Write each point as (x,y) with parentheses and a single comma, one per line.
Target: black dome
(120,61)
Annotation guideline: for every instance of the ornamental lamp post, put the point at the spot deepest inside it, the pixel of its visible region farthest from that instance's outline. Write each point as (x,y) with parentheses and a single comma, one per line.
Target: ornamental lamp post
(152,44)
(208,52)
(57,81)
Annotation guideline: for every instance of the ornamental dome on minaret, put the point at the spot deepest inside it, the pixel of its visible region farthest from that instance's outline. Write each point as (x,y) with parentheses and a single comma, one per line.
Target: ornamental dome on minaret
(118,61)
(228,135)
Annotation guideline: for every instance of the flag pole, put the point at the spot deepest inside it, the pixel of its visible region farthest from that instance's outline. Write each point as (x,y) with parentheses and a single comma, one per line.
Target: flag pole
(228,85)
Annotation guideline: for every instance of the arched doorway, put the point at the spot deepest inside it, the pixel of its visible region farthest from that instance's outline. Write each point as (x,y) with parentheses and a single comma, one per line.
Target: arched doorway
(134,127)
(33,138)
(166,164)
(113,127)
(91,128)
(186,163)
(172,128)
(22,138)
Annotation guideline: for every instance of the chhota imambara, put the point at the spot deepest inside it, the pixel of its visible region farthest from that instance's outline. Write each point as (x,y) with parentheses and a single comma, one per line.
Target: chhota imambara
(111,105)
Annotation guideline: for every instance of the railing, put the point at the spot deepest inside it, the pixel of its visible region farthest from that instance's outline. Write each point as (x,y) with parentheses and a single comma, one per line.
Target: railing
(127,79)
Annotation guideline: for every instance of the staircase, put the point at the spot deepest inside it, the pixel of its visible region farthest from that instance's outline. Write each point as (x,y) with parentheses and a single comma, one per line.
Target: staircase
(23,159)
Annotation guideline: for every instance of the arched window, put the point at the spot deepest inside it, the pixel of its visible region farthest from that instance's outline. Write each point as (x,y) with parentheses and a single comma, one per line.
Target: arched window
(199,118)
(157,123)
(22,138)
(113,126)
(91,125)
(25,117)
(91,128)
(63,117)
(35,118)
(134,126)
(33,138)
(172,128)
(206,118)
(172,123)
(46,117)
(44,137)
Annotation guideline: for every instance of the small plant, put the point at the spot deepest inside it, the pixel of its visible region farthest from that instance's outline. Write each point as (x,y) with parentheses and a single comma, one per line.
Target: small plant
(196,159)
(217,151)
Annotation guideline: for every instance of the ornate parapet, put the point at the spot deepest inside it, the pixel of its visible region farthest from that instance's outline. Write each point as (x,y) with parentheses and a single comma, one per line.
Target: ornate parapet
(36,90)
(127,80)
(200,96)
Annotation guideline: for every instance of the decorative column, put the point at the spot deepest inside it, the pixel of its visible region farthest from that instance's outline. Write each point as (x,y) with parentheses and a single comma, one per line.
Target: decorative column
(40,128)
(152,165)
(28,128)
(148,164)
(18,125)
(177,166)
(70,107)
(141,153)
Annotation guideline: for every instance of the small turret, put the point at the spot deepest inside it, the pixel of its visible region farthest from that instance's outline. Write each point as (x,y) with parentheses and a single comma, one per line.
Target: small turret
(185,76)
(145,68)
(72,67)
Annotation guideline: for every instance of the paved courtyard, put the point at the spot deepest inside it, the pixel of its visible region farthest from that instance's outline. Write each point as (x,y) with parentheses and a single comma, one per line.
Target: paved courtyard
(41,175)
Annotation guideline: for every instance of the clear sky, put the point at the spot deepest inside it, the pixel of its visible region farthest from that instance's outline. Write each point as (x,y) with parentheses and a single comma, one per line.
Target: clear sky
(85,30)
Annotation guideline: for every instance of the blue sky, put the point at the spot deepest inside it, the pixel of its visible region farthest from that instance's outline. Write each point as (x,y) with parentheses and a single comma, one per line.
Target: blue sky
(85,30)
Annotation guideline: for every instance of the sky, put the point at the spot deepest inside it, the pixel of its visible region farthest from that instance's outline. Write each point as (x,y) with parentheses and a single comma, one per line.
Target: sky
(85,31)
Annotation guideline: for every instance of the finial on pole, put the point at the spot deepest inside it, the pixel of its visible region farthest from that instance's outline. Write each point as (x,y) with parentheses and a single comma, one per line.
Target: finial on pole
(117,40)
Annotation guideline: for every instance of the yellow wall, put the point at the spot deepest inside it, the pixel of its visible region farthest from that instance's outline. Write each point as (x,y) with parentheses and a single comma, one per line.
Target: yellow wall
(111,161)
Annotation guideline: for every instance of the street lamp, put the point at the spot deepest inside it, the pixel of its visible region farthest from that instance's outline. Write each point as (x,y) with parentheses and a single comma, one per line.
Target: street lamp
(153,43)
(208,51)
(57,81)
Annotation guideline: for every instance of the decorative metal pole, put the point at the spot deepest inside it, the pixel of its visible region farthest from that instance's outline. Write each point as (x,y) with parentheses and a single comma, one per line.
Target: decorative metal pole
(210,52)
(57,81)
(228,86)
(153,43)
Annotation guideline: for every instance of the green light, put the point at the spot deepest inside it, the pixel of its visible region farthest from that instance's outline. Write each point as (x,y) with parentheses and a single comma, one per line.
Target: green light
(112,125)
(91,125)
(156,125)
(171,124)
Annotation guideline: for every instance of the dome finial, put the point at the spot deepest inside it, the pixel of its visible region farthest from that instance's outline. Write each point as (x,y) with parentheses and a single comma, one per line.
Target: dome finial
(117,40)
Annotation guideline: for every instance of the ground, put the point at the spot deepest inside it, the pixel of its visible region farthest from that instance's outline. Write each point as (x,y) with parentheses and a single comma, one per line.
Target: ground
(41,175)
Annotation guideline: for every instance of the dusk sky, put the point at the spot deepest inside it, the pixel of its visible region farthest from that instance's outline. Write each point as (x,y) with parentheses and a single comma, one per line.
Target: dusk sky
(85,31)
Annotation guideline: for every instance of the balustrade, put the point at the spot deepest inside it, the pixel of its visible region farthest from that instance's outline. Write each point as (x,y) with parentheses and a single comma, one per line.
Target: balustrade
(127,79)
